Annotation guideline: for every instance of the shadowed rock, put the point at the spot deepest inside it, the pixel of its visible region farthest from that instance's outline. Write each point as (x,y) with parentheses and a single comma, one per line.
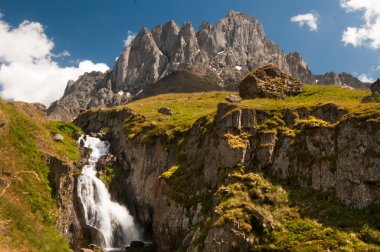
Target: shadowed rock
(269,81)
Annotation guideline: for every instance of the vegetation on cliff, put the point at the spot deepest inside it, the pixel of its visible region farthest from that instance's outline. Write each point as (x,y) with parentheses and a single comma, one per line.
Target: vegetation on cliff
(188,108)
(268,214)
(28,213)
(245,204)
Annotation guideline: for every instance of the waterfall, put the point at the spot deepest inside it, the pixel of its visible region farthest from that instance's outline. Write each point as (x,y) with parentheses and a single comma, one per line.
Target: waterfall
(115,225)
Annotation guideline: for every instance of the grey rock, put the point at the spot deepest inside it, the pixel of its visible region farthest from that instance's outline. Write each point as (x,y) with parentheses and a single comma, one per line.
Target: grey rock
(375,87)
(299,68)
(233,98)
(91,90)
(165,111)
(237,40)
(330,79)
(58,138)
(342,79)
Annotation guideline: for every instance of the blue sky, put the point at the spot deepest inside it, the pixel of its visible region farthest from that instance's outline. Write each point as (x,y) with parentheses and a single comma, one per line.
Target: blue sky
(95,30)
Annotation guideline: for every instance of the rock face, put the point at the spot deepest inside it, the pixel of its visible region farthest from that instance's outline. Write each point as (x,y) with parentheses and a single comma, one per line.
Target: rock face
(299,68)
(230,49)
(269,81)
(342,79)
(91,90)
(62,181)
(375,87)
(330,152)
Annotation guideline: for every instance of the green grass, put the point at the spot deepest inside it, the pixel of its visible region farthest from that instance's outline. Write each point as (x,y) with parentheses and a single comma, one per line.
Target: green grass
(27,206)
(274,217)
(68,147)
(188,108)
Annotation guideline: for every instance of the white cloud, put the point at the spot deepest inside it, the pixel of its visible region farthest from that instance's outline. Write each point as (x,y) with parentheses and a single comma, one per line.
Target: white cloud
(130,37)
(369,33)
(366,78)
(308,19)
(27,69)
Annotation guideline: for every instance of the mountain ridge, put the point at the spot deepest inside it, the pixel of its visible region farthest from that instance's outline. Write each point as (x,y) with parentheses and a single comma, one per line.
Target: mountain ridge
(225,53)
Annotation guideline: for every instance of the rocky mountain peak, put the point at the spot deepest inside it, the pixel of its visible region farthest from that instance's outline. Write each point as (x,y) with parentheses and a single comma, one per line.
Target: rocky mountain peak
(236,40)
(223,54)
(232,13)
(299,68)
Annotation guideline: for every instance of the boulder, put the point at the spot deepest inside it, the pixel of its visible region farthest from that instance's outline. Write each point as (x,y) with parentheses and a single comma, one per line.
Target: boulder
(233,98)
(165,111)
(137,244)
(269,82)
(58,138)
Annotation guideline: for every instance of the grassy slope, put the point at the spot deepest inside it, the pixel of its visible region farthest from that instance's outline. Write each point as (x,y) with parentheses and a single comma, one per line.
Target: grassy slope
(190,107)
(27,211)
(307,220)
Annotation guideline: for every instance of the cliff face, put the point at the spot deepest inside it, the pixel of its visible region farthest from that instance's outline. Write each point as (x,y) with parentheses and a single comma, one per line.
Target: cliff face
(179,189)
(91,90)
(62,180)
(342,79)
(230,49)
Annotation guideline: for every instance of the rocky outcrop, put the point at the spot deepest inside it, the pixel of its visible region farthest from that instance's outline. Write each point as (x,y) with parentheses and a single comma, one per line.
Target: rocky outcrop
(299,68)
(62,182)
(269,82)
(319,147)
(91,90)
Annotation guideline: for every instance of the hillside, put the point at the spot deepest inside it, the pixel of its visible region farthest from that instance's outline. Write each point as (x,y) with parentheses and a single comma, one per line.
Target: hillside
(264,175)
(30,217)
(180,82)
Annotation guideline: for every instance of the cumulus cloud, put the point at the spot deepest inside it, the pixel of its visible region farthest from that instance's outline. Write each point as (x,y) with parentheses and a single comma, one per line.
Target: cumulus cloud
(308,19)
(366,78)
(367,34)
(130,37)
(27,69)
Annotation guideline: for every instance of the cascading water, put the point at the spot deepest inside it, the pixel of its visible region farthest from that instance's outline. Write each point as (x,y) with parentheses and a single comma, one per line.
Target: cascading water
(112,220)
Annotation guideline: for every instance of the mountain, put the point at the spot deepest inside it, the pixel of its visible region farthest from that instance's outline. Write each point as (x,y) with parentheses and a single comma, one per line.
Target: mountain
(234,46)
(223,54)
(180,82)
(91,90)
(341,79)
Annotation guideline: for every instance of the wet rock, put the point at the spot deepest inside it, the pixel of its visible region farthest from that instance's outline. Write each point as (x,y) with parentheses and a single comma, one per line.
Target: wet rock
(137,244)
(269,82)
(165,111)
(140,246)
(58,138)
(106,161)
(233,98)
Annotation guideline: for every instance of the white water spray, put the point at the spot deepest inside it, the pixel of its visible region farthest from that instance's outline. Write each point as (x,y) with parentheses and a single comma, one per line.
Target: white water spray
(112,220)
